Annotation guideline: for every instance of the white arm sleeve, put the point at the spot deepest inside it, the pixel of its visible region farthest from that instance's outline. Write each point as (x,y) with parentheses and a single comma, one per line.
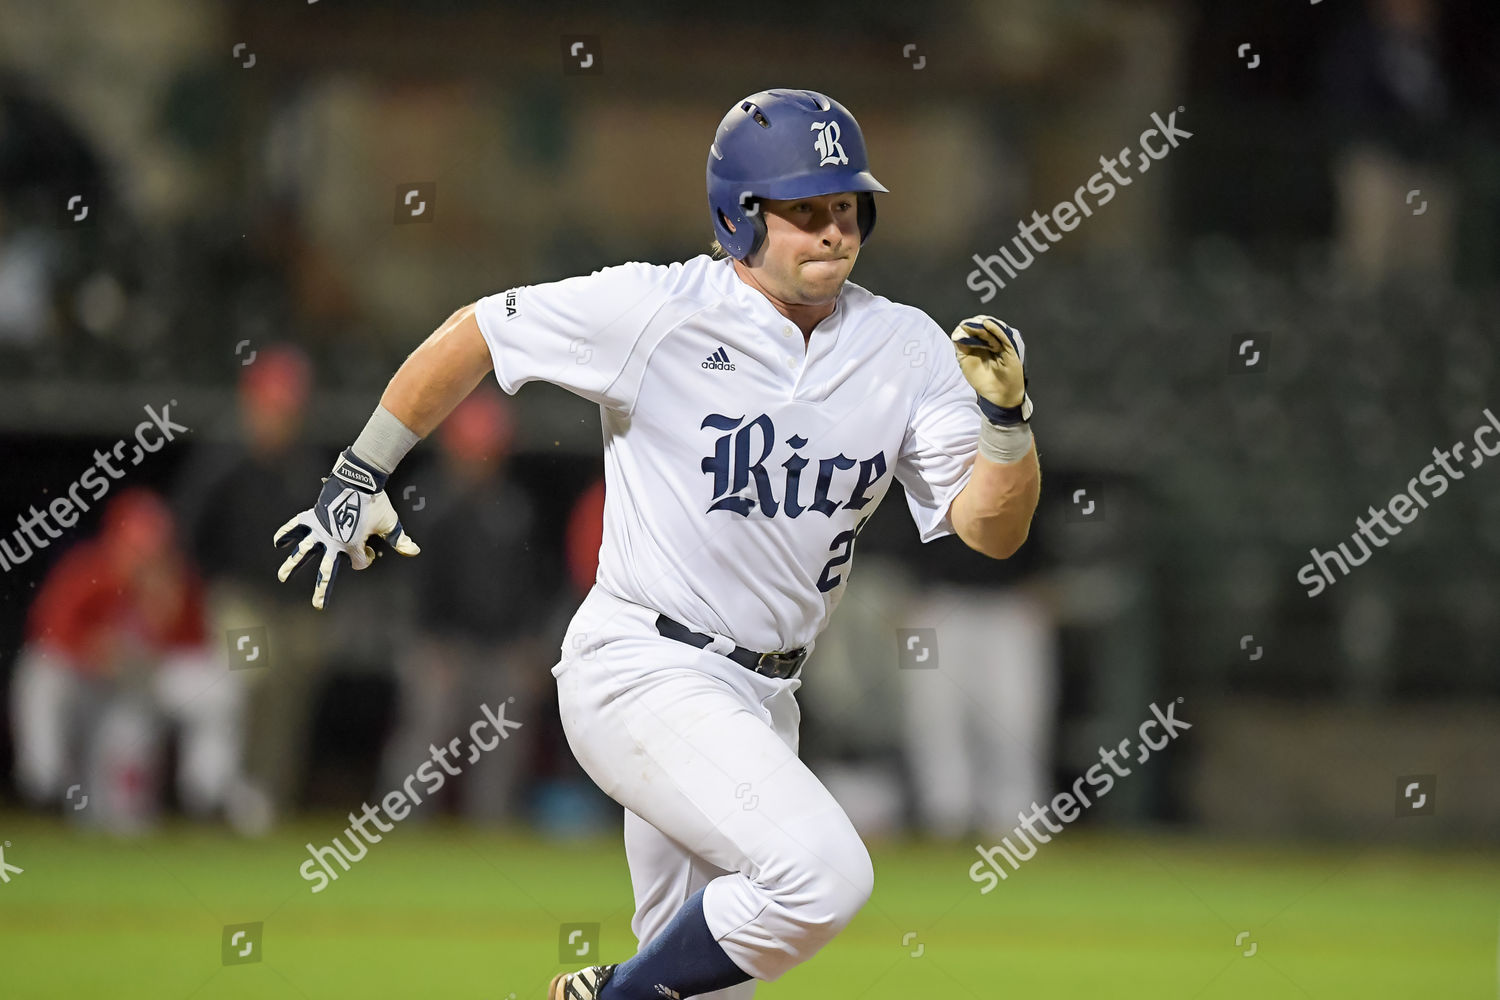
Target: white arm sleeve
(937,454)
(581,333)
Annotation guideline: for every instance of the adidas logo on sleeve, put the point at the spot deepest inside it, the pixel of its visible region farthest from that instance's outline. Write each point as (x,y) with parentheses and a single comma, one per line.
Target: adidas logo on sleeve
(719,360)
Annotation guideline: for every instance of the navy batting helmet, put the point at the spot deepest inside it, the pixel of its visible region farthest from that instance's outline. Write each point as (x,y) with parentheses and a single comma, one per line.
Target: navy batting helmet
(784,144)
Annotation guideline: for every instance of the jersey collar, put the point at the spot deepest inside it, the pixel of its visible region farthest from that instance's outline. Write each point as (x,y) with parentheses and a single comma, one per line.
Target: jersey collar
(774,320)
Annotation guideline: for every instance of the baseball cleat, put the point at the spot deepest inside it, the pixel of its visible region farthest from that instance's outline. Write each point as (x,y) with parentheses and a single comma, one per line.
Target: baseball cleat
(585,984)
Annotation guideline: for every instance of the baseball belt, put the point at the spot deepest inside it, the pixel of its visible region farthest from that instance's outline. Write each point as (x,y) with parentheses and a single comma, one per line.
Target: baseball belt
(782,663)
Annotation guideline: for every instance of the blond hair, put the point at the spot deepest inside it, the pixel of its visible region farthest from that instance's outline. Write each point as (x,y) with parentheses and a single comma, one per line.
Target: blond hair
(716,249)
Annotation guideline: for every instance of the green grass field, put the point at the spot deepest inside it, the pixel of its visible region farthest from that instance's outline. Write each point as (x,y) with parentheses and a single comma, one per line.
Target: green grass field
(446,912)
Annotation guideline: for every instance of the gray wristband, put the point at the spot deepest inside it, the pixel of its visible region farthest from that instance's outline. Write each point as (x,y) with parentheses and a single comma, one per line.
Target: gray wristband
(1005,445)
(385,441)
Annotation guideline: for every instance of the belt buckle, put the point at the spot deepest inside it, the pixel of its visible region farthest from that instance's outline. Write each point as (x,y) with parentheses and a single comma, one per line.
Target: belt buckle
(781,663)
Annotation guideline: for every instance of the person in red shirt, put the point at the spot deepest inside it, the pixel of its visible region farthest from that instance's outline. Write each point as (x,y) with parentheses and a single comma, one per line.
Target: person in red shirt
(116,645)
(585,536)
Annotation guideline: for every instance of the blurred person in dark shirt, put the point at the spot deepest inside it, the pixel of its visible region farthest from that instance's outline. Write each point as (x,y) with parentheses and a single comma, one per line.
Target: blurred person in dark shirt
(479,634)
(1388,84)
(45,161)
(230,495)
(979,726)
(117,645)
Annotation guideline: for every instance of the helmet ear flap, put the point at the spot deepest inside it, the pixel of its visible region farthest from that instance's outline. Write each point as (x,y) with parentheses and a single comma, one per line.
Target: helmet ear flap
(749,217)
(757,226)
(865,214)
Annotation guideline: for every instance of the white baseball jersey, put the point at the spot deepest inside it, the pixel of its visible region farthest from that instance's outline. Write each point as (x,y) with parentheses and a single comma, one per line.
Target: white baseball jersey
(739,465)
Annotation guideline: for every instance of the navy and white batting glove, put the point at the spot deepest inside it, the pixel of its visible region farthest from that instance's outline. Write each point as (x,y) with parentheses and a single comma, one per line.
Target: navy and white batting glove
(352,507)
(992,356)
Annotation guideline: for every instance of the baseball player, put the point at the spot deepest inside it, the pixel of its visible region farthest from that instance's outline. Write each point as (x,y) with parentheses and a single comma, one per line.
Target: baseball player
(756,406)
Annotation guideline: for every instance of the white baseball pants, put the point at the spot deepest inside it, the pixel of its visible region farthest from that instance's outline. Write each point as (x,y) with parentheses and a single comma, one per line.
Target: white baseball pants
(702,753)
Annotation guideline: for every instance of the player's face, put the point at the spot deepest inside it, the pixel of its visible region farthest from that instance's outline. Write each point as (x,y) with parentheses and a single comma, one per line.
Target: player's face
(810,247)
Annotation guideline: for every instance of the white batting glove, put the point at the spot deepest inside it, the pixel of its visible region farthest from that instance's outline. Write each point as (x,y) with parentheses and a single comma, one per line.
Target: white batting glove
(992,356)
(352,507)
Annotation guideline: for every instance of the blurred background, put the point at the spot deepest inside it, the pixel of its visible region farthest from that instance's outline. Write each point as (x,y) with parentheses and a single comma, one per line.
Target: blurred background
(224,223)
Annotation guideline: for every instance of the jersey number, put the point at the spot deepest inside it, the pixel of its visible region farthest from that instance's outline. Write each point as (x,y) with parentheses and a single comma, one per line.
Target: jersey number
(843,551)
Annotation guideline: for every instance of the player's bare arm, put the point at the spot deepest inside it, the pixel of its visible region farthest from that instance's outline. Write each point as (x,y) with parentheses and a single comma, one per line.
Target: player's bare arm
(992,513)
(353,506)
(439,374)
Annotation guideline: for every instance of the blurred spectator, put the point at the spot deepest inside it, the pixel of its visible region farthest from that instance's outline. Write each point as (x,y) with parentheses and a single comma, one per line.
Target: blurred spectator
(25,286)
(68,248)
(117,645)
(851,735)
(1388,82)
(479,610)
(979,724)
(566,802)
(584,538)
(41,157)
(233,498)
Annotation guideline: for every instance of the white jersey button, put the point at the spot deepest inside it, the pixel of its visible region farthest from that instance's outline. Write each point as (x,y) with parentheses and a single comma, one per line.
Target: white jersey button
(791,362)
(786,331)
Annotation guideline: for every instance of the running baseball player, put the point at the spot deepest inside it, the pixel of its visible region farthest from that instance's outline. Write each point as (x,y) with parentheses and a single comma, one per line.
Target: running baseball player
(756,406)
